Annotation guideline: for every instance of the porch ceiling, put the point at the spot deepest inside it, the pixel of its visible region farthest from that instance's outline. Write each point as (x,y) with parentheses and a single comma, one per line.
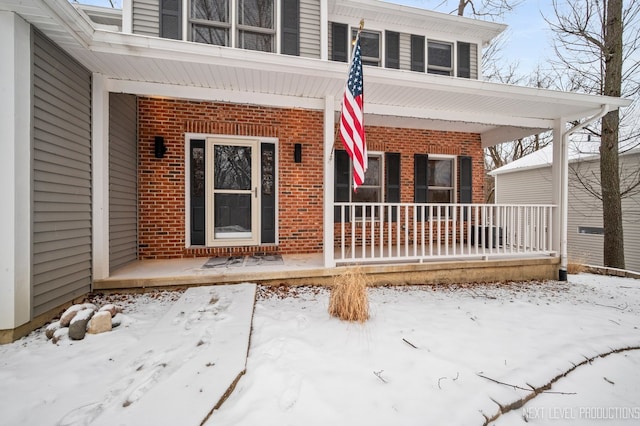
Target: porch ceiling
(392,97)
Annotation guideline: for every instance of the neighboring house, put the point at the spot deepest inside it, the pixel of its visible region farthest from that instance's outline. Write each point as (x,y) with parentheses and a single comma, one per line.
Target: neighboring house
(173,129)
(585,228)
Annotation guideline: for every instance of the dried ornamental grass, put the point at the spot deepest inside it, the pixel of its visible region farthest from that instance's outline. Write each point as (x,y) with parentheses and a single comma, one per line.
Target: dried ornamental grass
(348,300)
(576,266)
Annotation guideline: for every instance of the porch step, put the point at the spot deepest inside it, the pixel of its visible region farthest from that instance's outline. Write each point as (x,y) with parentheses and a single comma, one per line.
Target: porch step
(190,361)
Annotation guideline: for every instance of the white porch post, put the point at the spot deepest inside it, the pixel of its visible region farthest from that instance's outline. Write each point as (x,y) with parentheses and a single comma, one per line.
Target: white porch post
(15,171)
(100,166)
(328,172)
(560,174)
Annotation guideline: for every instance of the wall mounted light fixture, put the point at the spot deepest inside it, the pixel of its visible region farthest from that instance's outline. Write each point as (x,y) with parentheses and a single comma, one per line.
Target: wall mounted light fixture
(297,153)
(159,147)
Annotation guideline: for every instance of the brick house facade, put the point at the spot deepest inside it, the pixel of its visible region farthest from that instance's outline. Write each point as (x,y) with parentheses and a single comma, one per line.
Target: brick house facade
(162,209)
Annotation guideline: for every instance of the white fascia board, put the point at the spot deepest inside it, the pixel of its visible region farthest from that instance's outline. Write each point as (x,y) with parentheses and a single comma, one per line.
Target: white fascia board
(476,117)
(187,51)
(214,95)
(505,134)
(417,19)
(77,24)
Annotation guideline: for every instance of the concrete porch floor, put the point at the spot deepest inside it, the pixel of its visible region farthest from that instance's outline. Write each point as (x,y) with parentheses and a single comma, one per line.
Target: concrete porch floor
(308,269)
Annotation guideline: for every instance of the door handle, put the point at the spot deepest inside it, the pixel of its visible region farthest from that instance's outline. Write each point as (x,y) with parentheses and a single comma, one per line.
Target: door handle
(255,192)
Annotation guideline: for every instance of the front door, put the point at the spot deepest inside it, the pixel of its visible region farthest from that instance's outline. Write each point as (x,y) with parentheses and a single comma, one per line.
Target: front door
(232,192)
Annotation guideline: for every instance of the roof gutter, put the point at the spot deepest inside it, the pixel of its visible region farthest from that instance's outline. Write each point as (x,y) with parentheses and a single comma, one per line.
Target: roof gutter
(564,187)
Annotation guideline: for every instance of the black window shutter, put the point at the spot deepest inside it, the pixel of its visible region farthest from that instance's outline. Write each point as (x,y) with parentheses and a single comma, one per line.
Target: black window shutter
(268,193)
(339,42)
(342,184)
(464,60)
(392,48)
(197,166)
(290,27)
(171,19)
(466,182)
(421,180)
(392,181)
(417,53)
(465,165)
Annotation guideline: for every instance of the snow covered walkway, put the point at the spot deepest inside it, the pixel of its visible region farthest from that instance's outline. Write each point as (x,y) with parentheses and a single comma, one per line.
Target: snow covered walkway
(195,353)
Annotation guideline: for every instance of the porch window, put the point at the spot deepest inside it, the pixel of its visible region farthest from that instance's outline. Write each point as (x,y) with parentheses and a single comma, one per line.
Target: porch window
(434,179)
(211,23)
(439,58)
(381,181)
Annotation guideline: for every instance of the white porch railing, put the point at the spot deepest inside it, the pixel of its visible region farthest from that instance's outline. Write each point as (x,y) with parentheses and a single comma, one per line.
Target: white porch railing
(384,232)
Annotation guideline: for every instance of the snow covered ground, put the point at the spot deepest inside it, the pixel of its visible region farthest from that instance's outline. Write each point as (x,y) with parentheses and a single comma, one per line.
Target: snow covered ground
(428,355)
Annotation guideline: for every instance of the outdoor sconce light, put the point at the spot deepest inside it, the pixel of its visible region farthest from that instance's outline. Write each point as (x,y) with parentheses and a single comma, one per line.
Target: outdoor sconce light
(159,147)
(297,153)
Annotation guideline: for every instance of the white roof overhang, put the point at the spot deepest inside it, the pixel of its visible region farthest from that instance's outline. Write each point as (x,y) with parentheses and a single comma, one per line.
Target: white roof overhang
(154,66)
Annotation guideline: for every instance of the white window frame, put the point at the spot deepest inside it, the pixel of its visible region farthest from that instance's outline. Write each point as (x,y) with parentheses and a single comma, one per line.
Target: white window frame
(188,137)
(234,28)
(440,68)
(377,59)
(454,175)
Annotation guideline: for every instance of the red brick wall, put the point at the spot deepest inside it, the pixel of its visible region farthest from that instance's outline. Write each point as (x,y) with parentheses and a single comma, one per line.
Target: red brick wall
(161,182)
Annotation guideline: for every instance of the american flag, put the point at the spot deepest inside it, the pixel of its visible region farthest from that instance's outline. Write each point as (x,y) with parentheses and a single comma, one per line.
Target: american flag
(352,119)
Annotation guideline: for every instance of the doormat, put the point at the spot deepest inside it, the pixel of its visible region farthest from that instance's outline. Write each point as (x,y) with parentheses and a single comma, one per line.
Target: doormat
(224,262)
(237,261)
(264,259)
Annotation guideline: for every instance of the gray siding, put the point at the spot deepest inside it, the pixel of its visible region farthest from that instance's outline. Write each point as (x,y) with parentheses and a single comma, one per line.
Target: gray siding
(631,217)
(524,187)
(123,217)
(61,260)
(584,208)
(146,17)
(310,28)
(405,51)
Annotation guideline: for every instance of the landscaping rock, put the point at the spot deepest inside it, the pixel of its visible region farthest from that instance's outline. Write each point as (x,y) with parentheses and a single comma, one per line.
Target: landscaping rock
(71,312)
(60,334)
(78,325)
(111,308)
(68,315)
(51,329)
(115,322)
(99,323)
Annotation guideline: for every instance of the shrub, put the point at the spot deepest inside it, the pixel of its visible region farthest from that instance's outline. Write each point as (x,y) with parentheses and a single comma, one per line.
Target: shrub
(348,300)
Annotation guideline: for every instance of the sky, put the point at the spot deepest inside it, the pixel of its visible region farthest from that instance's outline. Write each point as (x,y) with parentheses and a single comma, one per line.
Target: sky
(528,38)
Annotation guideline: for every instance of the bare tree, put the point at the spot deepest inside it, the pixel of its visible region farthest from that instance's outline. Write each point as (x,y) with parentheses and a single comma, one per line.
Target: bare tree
(486,9)
(597,44)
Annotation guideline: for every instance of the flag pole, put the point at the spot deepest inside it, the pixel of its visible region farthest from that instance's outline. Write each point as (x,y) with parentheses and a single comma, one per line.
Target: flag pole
(335,136)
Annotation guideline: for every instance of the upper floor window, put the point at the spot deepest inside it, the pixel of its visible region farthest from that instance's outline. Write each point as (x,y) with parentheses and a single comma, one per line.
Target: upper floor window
(439,58)
(370,47)
(254,26)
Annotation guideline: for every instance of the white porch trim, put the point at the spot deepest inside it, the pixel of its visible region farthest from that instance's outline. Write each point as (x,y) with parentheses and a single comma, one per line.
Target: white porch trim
(328,173)
(15,172)
(100,176)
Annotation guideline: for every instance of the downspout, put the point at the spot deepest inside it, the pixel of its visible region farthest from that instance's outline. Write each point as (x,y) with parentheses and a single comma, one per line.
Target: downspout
(564,200)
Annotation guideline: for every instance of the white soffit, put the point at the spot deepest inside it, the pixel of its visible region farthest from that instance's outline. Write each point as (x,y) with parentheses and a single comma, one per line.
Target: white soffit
(392,97)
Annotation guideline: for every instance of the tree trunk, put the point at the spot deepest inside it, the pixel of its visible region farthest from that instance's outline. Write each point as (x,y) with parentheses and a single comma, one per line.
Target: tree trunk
(609,168)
